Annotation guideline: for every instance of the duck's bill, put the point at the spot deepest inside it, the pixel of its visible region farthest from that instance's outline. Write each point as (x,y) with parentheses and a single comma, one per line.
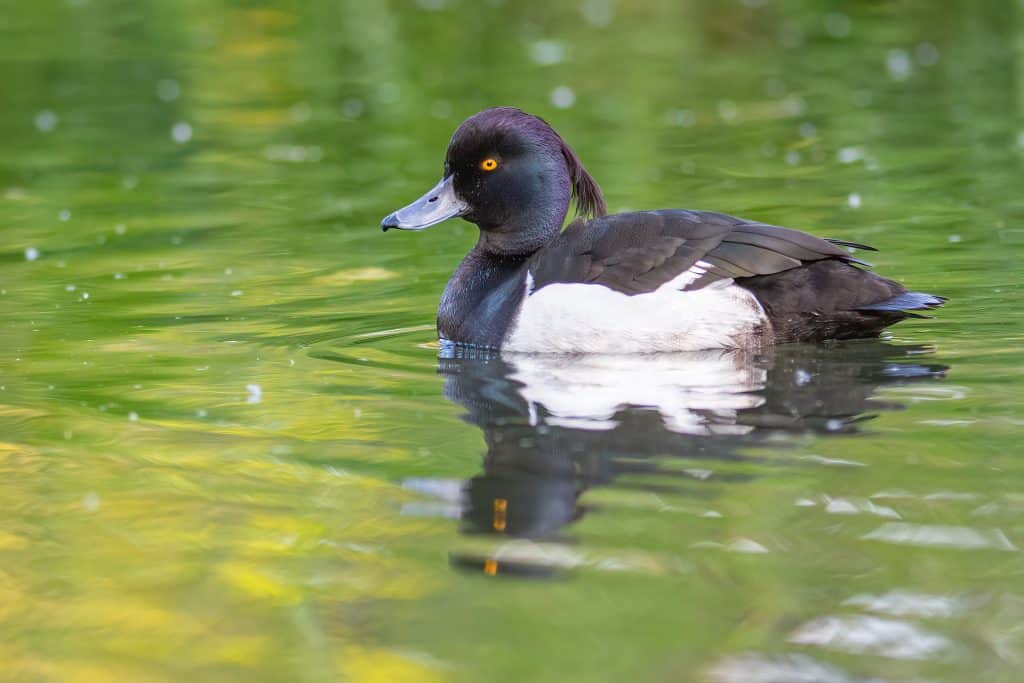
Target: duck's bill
(435,206)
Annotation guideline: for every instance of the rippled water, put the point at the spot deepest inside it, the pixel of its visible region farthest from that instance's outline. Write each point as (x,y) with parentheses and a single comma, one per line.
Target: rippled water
(229,449)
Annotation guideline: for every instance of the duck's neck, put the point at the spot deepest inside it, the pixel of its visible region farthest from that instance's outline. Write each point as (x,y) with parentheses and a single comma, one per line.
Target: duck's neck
(521,240)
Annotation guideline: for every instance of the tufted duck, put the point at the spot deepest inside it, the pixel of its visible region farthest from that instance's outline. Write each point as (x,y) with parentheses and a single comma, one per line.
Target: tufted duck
(646,281)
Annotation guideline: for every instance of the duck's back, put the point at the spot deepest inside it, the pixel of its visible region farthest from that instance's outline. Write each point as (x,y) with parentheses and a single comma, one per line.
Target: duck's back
(683,280)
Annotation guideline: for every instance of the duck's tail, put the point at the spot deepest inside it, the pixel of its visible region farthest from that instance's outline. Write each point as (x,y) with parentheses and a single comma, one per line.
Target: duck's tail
(905,302)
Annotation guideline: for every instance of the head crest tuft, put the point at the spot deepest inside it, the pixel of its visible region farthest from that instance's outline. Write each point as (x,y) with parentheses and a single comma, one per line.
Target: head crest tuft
(589,198)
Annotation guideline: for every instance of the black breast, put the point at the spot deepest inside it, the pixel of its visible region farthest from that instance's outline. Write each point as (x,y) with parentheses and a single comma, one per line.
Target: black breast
(481,299)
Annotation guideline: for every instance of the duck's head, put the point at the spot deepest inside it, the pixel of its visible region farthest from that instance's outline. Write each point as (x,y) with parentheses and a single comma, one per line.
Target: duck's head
(512,175)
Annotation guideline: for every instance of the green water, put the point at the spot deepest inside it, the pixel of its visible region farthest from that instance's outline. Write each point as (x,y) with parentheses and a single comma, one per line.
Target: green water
(229,451)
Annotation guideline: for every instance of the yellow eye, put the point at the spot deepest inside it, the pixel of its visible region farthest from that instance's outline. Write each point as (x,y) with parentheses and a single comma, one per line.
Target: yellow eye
(489,164)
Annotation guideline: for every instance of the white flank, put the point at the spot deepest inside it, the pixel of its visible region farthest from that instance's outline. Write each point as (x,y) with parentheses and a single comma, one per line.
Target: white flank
(587,318)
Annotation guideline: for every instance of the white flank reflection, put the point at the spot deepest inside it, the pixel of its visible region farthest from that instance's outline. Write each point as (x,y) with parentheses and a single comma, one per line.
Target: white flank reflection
(695,393)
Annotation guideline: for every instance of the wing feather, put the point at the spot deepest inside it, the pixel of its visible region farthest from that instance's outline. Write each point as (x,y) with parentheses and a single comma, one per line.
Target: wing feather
(638,252)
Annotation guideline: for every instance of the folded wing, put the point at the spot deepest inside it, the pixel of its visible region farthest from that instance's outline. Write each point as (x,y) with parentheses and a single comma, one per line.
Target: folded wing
(639,252)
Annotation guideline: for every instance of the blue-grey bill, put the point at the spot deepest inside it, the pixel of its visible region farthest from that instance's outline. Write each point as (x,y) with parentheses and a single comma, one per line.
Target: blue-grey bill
(439,204)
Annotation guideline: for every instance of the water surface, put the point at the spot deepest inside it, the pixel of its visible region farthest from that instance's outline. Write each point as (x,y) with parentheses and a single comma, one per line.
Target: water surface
(229,449)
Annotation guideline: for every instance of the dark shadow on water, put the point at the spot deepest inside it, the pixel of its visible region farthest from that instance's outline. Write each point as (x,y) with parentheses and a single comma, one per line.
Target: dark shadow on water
(557,426)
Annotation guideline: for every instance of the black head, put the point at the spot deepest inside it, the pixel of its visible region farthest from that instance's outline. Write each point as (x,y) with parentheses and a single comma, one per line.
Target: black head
(511,174)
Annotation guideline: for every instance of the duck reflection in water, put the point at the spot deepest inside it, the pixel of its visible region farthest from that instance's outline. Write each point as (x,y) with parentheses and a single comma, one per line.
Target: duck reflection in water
(556,426)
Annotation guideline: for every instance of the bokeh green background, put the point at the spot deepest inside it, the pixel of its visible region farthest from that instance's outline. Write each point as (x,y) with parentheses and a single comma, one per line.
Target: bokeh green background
(216,373)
